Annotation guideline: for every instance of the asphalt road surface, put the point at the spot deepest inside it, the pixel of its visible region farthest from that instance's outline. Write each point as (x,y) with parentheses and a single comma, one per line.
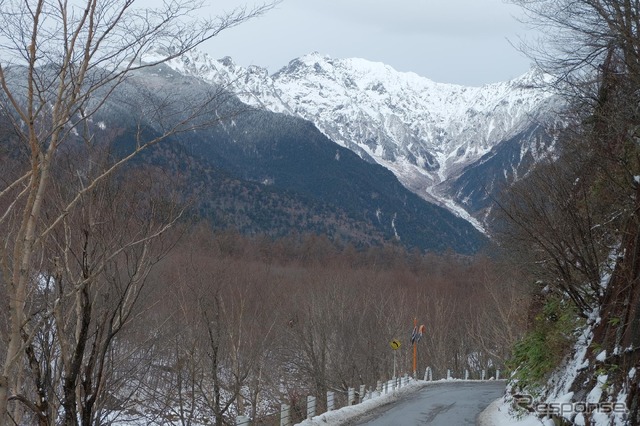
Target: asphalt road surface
(438,404)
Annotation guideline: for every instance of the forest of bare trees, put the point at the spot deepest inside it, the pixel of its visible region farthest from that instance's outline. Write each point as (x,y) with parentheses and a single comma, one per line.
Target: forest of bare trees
(229,325)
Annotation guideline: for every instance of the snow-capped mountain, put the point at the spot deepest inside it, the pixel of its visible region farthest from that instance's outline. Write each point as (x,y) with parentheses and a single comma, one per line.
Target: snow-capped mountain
(428,134)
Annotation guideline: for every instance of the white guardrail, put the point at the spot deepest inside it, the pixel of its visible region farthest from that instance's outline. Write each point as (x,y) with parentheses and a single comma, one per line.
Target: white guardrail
(354,397)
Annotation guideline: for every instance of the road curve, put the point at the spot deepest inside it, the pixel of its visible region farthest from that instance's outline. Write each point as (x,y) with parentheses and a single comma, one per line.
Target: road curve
(437,404)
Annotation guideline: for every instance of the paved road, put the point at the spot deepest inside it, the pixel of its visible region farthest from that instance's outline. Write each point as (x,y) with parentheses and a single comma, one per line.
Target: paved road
(438,404)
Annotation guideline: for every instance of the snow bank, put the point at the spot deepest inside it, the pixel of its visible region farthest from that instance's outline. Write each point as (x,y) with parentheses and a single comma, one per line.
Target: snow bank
(344,414)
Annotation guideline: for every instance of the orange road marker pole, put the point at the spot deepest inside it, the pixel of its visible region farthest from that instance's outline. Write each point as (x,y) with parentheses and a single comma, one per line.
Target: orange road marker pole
(415,348)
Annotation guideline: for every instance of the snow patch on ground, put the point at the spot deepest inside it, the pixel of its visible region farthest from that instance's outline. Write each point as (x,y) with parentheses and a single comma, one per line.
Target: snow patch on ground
(499,414)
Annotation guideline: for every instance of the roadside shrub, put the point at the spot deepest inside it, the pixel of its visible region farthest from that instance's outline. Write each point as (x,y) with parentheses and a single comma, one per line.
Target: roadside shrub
(542,349)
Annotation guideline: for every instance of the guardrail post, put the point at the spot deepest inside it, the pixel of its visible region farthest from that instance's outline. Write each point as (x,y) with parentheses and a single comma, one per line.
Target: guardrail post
(330,400)
(483,374)
(428,374)
(379,386)
(311,406)
(497,374)
(351,396)
(448,374)
(242,421)
(466,374)
(285,415)
(361,396)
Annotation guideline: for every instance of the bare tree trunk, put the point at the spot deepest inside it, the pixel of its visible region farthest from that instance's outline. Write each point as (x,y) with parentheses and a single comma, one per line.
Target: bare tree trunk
(19,281)
(4,398)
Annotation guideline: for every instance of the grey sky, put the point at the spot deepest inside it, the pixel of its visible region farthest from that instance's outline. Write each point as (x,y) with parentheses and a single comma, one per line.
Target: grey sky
(450,41)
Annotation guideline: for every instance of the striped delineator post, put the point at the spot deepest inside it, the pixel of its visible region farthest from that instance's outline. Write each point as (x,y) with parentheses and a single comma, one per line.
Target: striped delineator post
(330,401)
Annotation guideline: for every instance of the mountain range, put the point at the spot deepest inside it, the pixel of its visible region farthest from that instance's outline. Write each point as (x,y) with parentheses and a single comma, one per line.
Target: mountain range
(452,145)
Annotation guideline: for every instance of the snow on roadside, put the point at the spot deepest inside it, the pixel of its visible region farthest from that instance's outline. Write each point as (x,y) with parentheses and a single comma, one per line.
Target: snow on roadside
(497,414)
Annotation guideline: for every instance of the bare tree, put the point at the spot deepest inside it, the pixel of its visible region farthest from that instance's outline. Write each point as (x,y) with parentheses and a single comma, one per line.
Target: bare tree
(99,262)
(577,37)
(557,227)
(62,62)
(498,305)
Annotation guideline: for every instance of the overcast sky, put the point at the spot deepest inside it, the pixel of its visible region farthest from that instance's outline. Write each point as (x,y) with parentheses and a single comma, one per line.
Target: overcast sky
(450,41)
